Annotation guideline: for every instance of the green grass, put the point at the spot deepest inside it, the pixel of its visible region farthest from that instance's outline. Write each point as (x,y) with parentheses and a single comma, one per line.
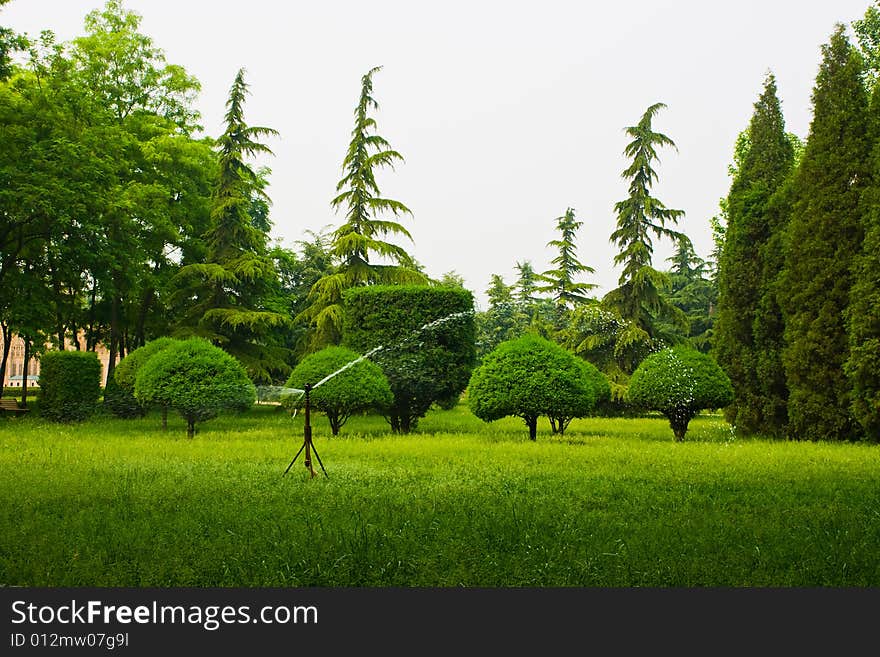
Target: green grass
(615,502)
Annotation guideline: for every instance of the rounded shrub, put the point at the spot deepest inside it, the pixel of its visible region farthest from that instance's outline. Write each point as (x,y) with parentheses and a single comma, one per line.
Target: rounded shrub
(679,382)
(119,393)
(358,388)
(196,379)
(70,385)
(529,377)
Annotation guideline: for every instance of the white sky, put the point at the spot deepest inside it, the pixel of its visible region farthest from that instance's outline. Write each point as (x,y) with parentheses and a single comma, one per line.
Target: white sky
(506,113)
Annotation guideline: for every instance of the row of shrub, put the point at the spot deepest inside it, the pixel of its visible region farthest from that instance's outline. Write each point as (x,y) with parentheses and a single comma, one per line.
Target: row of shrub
(421,352)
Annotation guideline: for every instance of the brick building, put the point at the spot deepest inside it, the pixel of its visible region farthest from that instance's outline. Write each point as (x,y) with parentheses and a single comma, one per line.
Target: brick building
(15,374)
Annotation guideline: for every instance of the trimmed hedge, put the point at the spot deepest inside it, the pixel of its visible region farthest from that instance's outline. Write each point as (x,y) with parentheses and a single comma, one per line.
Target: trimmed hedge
(70,385)
(427,337)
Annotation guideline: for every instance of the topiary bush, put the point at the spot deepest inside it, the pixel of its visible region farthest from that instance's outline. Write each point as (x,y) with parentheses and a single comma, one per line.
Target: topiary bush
(360,387)
(70,385)
(529,377)
(679,382)
(427,338)
(196,379)
(120,397)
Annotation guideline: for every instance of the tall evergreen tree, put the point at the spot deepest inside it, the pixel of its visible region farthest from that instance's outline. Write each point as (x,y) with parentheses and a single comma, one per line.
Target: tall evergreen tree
(824,235)
(560,281)
(693,292)
(360,238)
(526,283)
(639,299)
(863,314)
(224,298)
(744,276)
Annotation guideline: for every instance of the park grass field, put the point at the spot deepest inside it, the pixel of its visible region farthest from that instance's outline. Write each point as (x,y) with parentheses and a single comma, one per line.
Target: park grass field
(460,503)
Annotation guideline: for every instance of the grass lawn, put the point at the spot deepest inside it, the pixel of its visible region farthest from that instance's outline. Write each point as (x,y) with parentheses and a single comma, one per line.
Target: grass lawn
(615,502)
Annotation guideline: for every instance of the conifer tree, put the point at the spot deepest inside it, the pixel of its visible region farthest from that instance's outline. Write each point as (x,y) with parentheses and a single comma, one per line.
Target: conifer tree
(526,283)
(223,298)
(824,235)
(863,314)
(744,277)
(361,238)
(639,299)
(560,281)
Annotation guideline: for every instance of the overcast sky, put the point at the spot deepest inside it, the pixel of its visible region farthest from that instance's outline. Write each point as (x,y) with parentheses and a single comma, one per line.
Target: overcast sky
(506,113)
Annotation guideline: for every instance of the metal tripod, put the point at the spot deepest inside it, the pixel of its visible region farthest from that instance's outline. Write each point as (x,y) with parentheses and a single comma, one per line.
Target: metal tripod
(308,445)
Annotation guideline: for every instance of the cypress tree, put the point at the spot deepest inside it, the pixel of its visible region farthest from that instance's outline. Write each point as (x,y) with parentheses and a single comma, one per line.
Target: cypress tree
(824,236)
(744,277)
(863,314)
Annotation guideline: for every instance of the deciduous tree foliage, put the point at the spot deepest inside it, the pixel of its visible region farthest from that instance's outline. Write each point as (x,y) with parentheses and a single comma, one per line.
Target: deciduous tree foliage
(748,273)
(824,236)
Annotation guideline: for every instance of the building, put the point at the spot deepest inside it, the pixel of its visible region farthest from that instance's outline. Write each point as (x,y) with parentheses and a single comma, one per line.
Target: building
(14,376)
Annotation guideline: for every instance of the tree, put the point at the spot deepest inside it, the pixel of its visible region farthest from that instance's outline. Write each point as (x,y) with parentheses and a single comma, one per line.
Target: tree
(224,298)
(526,284)
(693,292)
(639,297)
(863,314)
(357,388)
(361,238)
(560,281)
(824,236)
(425,341)
(9,43)
(679,382)
(196,379)
(529,377)
(867,32)
(746,275)
(125,374)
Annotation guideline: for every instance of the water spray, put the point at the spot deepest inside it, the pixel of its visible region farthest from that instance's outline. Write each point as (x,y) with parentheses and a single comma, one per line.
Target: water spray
(308,446)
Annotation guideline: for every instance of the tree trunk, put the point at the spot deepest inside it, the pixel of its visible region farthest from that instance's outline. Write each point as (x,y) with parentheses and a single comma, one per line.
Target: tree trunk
(7,334)
(24,378)
(532,424)
(139,333)
(114,335)
(679,421)
(90,332)
(164,417)
(334,423)
(553,425)
(190,428)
